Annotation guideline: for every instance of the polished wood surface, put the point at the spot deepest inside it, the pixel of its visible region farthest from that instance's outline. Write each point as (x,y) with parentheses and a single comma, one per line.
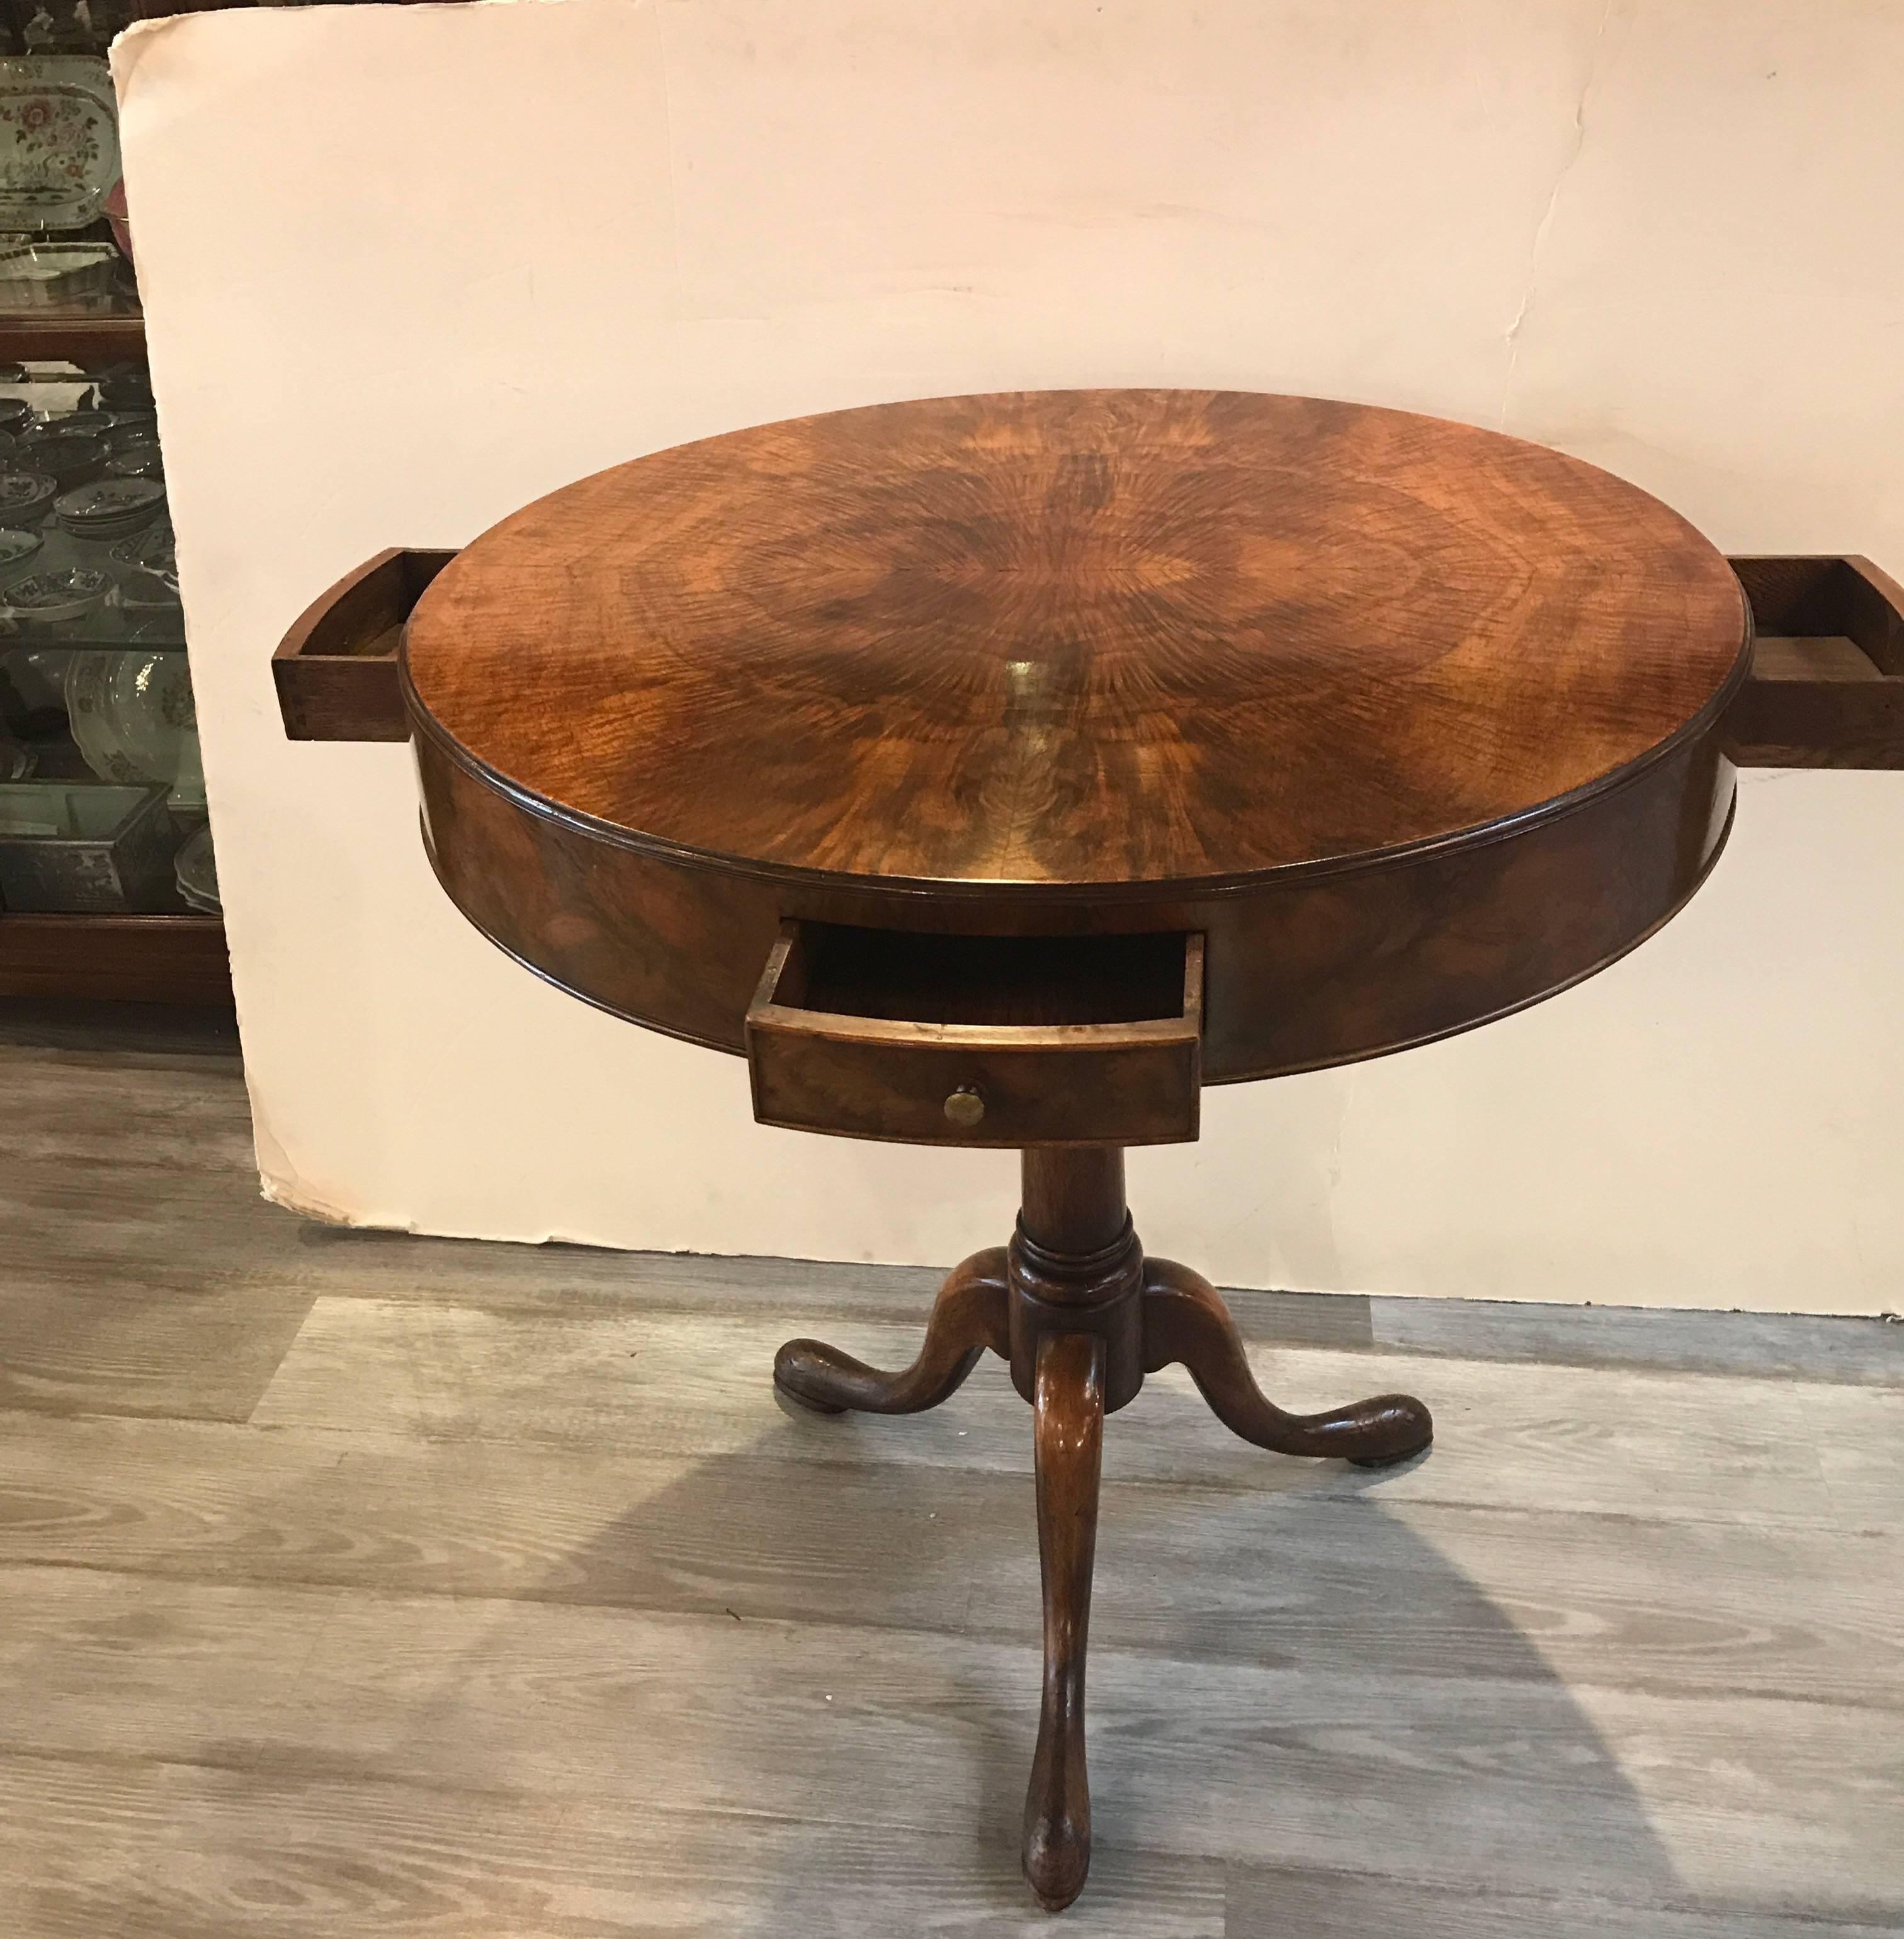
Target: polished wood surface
(336,668)
(1082,1316)
(995,769)
(968,1316)
(1003,1041)
(1301,677)
(1068,1445)
(1076,638)
(133,959)
(1185,1319)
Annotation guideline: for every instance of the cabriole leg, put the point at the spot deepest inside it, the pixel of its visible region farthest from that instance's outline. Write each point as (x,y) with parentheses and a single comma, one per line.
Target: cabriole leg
(1185,1319)
(1067,1442)
(968,1316)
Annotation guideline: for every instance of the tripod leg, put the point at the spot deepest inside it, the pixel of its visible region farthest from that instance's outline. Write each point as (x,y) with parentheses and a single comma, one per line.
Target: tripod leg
(1068,1440)
(968,1316)
(1184,1319)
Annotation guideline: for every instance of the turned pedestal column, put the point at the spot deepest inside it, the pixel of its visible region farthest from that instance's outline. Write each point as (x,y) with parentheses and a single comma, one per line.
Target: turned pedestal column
(1082,1315)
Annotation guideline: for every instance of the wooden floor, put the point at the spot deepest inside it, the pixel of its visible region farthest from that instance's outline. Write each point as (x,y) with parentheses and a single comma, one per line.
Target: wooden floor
(358,1584)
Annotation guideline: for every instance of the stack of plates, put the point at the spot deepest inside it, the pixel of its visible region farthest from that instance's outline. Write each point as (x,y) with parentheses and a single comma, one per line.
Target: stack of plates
(109,508)
(70,456)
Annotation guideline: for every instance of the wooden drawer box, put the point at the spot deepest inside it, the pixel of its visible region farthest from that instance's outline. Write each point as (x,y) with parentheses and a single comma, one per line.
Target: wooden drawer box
(979,1040)
(337,667)
(1826,688)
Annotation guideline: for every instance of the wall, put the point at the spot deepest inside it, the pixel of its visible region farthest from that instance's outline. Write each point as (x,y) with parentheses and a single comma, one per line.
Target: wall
(408,267)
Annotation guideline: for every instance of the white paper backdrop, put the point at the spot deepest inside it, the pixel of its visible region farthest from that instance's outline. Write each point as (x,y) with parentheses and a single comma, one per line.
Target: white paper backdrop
(407,267)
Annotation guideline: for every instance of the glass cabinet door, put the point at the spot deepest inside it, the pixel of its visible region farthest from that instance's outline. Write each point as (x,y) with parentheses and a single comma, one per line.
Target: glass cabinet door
(102,794)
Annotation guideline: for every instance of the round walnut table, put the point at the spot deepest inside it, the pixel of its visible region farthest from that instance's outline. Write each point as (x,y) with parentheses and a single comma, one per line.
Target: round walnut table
(998,771)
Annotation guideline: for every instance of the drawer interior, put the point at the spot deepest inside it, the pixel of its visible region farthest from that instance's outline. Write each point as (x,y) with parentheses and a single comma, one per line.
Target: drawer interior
(1826,688)
(1821,618)
(335,670)
(903,976)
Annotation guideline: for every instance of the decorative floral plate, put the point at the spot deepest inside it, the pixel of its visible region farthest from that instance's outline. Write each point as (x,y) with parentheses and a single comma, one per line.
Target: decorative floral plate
(24,493)
(154,551)
(58,141)
(44,598)
(132,718)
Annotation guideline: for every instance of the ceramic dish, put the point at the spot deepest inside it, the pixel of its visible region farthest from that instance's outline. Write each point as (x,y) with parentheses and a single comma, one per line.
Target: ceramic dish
(152,551)
(89,420)
(46,598)
(129,428)
(196,869)
(68,457)
(43,276)
(25,495)
(90,723)
(16,414)
(140,458)
(109,508)
(58,141)
(17,547)
(142,593)
(132,719)
(125,387)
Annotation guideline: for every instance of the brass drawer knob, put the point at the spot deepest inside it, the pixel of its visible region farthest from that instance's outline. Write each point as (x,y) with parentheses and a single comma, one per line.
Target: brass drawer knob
(965,1106)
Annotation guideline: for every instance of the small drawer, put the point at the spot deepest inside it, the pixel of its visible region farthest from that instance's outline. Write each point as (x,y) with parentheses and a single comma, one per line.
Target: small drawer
(337,667)
(979,1040)
(1826,688)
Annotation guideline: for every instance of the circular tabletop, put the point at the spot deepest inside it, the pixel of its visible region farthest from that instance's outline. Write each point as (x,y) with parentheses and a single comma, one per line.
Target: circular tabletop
(1077,637)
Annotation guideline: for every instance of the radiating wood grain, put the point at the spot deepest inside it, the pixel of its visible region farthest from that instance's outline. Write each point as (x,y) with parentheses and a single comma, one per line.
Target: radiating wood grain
(1304,677)
(1530,1785)
(875,616)
(1592,1440)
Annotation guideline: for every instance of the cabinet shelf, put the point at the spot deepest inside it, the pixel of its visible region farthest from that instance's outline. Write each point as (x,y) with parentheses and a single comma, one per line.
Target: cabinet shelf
(153,959)
(84,337)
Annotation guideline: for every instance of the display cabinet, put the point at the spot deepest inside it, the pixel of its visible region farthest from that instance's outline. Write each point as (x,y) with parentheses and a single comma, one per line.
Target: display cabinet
(109,886)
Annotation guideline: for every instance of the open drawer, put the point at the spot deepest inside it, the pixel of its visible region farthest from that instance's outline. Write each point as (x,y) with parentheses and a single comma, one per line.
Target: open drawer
(977,1039)
(1826,688)
(337,667)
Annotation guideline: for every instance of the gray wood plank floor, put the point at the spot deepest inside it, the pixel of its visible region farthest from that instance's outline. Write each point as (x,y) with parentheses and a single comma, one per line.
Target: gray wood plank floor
(351,1582)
